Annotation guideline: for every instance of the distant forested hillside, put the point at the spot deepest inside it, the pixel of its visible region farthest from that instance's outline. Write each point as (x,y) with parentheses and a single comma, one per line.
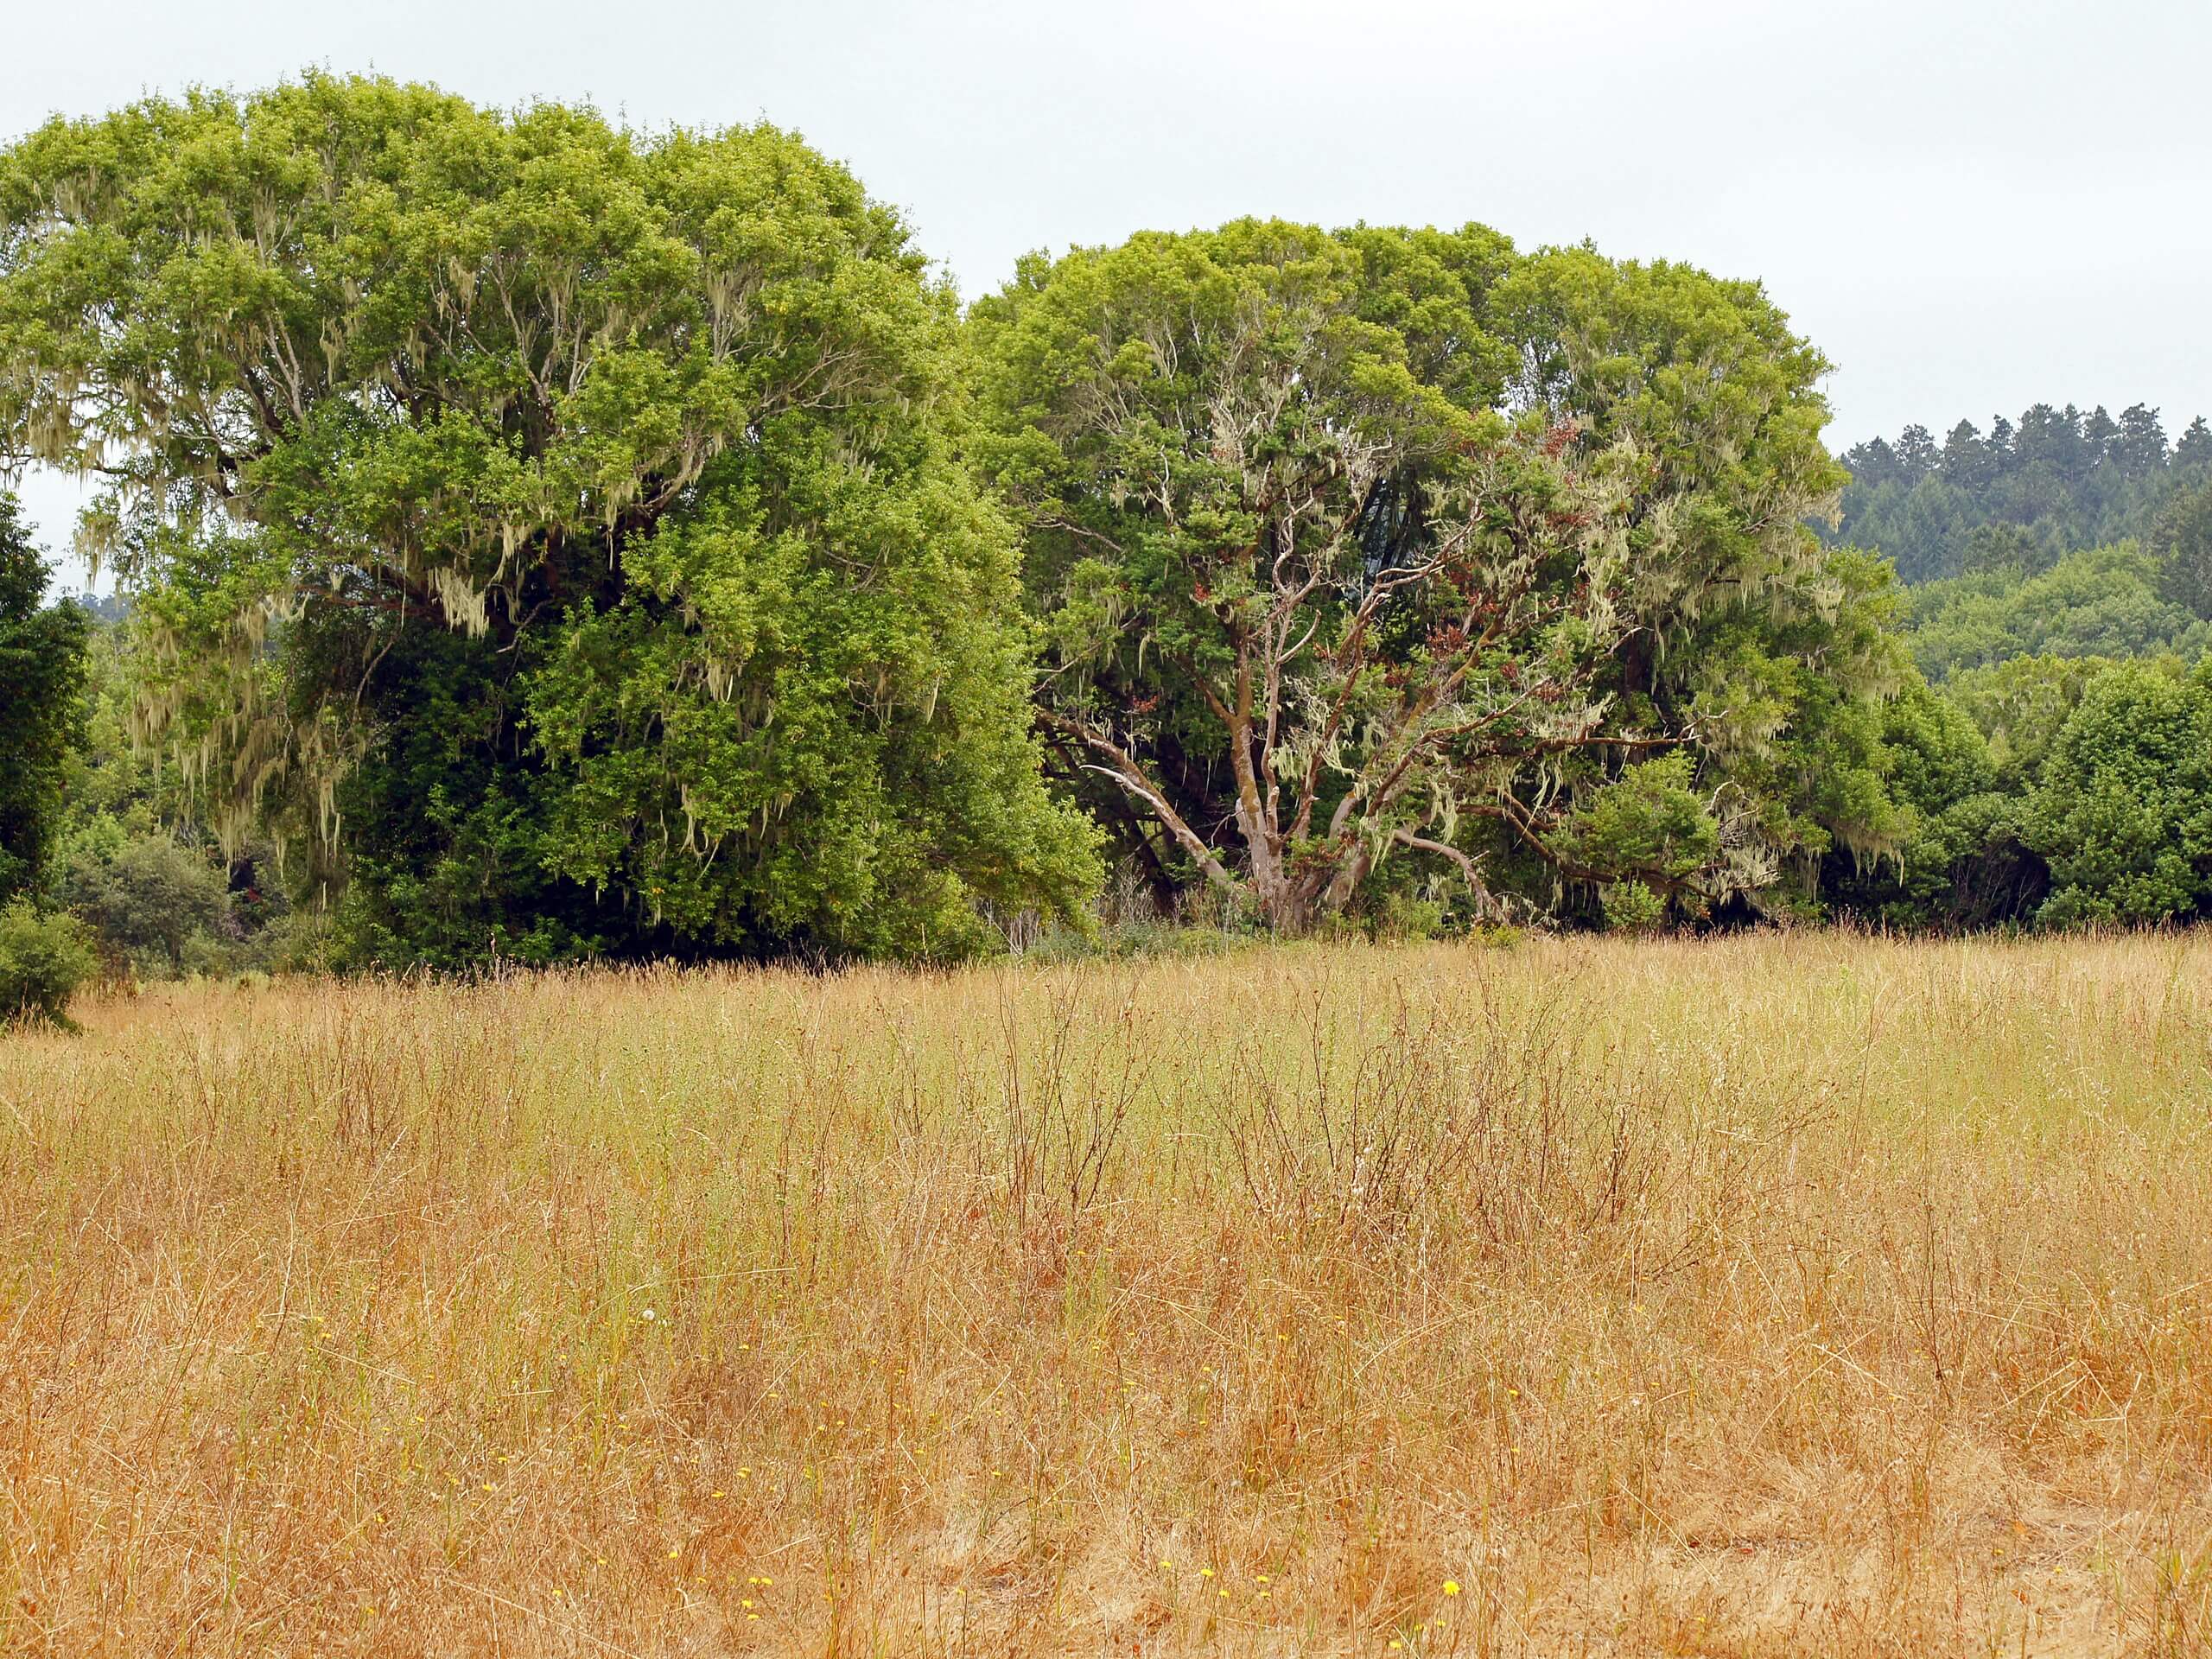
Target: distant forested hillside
(2057,755)
(2053,483)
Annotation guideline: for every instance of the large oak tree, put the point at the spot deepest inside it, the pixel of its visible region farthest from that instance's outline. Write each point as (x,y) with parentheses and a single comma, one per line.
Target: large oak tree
(1383,546)
(562,523)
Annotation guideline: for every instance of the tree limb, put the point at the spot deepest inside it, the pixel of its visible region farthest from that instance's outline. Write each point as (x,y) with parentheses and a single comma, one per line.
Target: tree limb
(1130,776)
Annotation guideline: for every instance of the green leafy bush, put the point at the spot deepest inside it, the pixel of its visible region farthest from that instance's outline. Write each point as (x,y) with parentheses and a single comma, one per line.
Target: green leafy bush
(2124,813)
(148,897)
(1649,823)
(1631,907)
(43,960)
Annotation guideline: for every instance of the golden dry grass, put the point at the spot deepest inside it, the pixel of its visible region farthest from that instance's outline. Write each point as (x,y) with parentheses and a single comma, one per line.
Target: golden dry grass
(1774,1296)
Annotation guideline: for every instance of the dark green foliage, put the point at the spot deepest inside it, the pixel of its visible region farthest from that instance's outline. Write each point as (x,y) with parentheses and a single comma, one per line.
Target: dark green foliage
(2008,550)
(2180,542)
(42,705)
(1372,562)
(147,895)
(44,958)
(2124,809)
(2048,790)
(449,814)
(1962,858)
(557,531)
(2060,479)
(2106,601)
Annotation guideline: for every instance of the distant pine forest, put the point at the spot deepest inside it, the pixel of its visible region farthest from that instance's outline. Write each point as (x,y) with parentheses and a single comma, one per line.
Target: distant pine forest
(2060,534)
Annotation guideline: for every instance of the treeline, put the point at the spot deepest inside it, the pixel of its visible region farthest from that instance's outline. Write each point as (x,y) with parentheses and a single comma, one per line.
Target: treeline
(2059,759)
(541,540)
(2055,482)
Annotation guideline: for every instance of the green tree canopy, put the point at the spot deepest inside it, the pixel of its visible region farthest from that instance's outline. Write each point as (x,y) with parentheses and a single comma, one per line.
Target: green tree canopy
(152,895)
(2124,811)
(1398,544)
(2101,601)
(565,522)
(42,657)
(2180,541)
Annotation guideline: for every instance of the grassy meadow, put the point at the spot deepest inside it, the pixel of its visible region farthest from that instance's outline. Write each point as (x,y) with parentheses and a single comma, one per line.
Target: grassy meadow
(1768,1296)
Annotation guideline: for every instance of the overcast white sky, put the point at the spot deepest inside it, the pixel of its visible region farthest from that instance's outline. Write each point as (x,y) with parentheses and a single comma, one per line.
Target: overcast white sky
(1969,205)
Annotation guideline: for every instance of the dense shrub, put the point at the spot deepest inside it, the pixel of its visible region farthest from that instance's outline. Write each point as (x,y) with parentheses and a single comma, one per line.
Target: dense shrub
(2124,813)
(2104,601)
(148,897)
(43,960)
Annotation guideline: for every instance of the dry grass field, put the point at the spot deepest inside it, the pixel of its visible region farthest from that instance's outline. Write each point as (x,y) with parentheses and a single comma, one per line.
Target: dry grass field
(1771,1296)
